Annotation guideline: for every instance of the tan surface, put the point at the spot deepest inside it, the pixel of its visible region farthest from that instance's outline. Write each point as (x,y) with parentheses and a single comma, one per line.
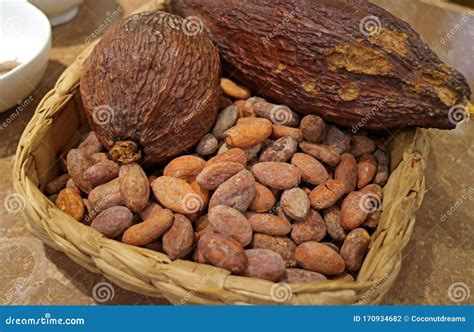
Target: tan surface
(439,254)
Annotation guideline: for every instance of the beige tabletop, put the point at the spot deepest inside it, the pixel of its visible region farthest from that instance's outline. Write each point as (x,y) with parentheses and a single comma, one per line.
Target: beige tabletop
(437,263)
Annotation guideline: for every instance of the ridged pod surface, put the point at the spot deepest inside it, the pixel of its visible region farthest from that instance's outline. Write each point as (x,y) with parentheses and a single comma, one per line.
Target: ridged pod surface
(351,62)
(151,88)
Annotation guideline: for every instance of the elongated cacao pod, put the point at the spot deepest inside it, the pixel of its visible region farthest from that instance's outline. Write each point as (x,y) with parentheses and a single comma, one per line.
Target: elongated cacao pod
(350,62)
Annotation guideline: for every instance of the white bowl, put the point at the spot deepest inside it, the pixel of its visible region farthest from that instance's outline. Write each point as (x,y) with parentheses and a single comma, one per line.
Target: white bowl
(58,11)
(25,36)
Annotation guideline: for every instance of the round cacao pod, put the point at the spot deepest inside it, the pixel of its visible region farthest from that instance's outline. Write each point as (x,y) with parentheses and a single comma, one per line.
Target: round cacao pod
(150,88)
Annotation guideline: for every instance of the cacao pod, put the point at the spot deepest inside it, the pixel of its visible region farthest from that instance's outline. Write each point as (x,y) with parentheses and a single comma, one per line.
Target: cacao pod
(318,57)
(150,88)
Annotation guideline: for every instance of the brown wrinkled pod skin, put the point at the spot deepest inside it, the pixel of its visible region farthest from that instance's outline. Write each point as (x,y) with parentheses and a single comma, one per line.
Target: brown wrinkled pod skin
(151,82)
(343,73)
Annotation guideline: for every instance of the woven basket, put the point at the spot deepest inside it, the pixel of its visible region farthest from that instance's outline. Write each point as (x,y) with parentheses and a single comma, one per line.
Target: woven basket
(59,123)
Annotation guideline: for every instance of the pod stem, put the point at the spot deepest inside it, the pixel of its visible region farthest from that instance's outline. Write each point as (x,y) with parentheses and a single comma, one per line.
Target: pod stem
(125,152)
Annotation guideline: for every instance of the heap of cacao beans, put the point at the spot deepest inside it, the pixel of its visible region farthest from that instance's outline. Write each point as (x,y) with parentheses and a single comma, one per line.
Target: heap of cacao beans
(267,193)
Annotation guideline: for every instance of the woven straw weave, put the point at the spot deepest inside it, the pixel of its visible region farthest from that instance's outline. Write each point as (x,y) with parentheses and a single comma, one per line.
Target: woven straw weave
(59,123)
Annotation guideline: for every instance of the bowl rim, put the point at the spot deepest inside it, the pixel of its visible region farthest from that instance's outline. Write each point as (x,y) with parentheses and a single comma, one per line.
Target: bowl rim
(44,46)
